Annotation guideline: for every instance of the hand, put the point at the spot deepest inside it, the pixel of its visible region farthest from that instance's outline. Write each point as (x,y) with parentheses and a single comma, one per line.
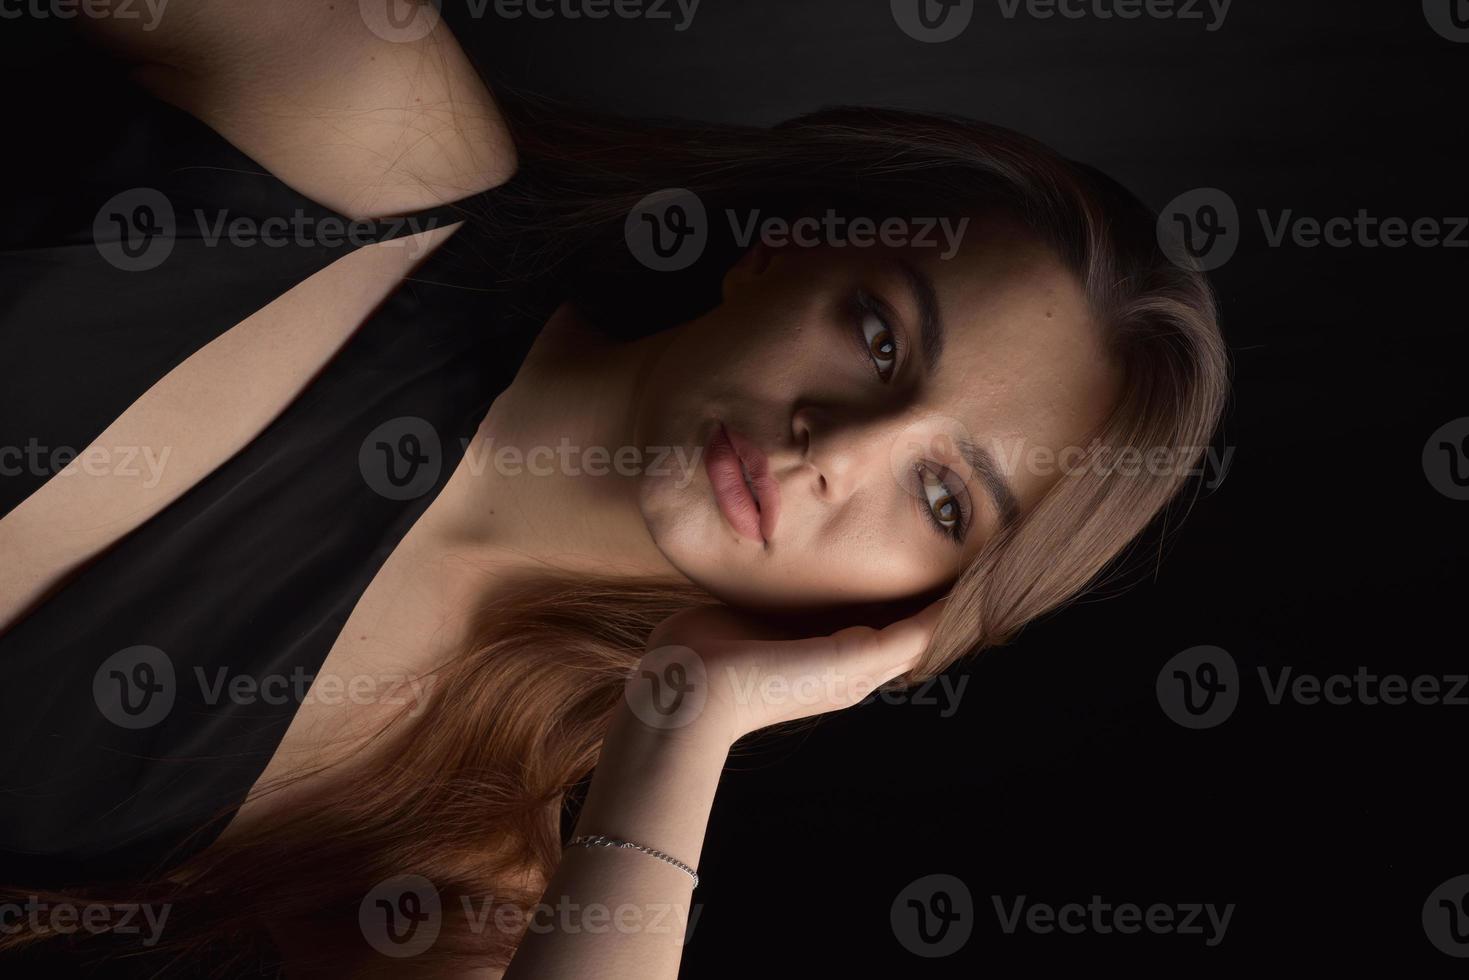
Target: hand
(718,672)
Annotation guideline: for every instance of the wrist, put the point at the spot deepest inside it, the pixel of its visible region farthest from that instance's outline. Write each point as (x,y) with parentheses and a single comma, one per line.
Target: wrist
(706,733)
(668,696)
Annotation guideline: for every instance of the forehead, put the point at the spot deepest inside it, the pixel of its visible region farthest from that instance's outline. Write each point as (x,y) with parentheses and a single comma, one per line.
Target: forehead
(1009,303)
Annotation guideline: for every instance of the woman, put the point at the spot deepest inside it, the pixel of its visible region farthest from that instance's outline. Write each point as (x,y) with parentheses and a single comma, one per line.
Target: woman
(848,458)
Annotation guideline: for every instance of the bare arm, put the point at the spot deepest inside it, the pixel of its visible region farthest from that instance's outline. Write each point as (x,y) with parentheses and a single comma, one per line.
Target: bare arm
(656,778)
(368,127)
(617,913)
(363,118)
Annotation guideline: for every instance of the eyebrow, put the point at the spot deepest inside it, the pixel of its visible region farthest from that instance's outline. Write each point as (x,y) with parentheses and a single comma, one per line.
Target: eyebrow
(981,462)
(930,325)
(931,333)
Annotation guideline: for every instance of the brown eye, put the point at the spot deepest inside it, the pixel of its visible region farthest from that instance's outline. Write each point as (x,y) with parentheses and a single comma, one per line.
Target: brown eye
(943,507)
(946,510)
(881,344)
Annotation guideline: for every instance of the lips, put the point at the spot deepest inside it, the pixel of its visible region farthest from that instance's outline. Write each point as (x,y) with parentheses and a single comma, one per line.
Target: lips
(747,495)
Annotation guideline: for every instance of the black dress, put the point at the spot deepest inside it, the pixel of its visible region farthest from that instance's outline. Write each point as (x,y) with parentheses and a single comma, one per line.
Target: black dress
(121,734)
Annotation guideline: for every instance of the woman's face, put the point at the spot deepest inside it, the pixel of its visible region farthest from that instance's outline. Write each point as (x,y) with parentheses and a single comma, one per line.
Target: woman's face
(892,467)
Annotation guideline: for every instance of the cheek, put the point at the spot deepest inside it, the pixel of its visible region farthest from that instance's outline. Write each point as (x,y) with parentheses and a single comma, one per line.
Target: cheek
(871,555)
(735,368)
(674,510)
(782,324)
(876,562)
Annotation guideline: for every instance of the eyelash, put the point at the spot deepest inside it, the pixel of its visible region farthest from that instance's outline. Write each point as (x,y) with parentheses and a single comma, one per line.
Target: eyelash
(863,306)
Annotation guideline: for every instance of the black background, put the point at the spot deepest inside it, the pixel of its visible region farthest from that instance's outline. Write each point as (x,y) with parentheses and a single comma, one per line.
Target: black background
(1326,549)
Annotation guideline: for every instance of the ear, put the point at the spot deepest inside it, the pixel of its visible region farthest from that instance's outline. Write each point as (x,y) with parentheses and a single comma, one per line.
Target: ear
(750,267)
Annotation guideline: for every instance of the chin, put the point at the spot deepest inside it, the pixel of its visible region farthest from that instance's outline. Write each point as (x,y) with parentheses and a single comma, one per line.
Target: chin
(712,557)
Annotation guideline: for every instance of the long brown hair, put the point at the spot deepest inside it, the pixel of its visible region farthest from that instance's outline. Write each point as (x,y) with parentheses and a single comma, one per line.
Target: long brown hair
(471,793)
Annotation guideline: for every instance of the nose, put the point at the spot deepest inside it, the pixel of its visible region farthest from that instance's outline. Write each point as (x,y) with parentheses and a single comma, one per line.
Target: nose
(841,451)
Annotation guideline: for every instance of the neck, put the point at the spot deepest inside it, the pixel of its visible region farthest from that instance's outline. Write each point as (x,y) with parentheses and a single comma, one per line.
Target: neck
(539,485)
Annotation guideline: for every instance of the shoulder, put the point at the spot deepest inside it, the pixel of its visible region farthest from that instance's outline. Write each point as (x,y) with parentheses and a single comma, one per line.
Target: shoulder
(365,113)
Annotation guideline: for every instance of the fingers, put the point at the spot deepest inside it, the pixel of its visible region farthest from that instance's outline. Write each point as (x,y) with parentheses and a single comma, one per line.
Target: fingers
(873,652)
(752,678)
(882,653)
(906,641)
(715,623)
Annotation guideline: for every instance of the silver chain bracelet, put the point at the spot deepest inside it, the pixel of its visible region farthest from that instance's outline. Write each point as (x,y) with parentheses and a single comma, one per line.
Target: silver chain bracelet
(601,840)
